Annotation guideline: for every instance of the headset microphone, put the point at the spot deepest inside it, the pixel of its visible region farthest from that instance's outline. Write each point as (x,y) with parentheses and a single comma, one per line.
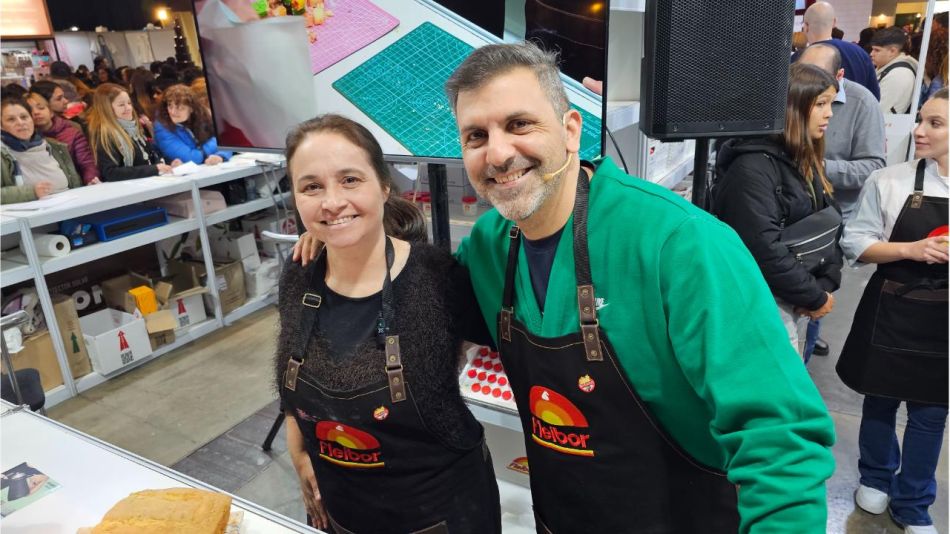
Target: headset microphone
(549,175)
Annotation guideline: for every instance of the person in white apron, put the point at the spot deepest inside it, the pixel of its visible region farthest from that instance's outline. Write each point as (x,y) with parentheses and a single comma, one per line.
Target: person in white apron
(897,348)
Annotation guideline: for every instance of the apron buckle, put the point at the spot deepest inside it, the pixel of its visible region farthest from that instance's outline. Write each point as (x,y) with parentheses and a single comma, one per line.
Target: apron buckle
(591,335)
(514,232)
(312,300)
(505,326)
(397,382)
(290,376)
(917,199)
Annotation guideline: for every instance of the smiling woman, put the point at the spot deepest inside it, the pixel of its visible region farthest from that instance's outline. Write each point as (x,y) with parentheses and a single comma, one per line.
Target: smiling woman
(345,354)
(32,166)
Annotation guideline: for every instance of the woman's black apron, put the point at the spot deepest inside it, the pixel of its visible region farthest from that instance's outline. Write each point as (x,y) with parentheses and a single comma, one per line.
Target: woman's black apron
(897,346)
(379,468)
(599,461)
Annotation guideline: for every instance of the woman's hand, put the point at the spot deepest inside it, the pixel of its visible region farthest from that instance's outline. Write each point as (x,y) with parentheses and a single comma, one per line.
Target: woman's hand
(931,250)
(176,163)
(164,169)
(306,248)
(94,181)
(43,188)
(213,159)
(824,310)
(312,499)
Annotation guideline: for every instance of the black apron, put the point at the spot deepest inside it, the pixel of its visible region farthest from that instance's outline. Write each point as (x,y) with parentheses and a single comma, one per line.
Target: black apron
(599,461)
(379,468)
(897,346)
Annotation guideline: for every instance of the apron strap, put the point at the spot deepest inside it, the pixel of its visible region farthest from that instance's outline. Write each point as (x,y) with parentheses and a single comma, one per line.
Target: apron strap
(311,302)
(586,300)
(918,196)
(508,296)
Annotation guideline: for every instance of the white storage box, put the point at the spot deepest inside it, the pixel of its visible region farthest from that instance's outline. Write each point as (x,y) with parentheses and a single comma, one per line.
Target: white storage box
(188,307)
(182,205)
(229,247)
(262,279)
(114,339)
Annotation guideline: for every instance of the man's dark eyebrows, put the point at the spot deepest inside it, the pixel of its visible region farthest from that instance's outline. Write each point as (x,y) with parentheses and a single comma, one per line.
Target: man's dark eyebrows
(510,117)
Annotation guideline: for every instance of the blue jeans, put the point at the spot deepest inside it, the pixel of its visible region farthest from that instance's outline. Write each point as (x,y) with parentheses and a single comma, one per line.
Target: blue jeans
(914,488)
(811,337)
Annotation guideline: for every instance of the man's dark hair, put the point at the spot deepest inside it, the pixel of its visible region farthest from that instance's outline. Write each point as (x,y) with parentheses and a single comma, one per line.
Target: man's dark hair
(835,56)
(168,72)
(837,33)
(170,60)
(60,69)
(893,36)
(155,67)
(941,18)
(191,74)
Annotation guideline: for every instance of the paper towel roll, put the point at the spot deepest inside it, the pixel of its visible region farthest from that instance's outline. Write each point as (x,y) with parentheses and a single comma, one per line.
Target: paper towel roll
(51,245)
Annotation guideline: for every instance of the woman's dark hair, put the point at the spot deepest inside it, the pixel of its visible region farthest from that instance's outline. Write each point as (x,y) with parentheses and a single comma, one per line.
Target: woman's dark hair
(141,88)
(45,88)
(16,101)
(200,120)
(13,90)
(401,218)
(805,85)
(60,69)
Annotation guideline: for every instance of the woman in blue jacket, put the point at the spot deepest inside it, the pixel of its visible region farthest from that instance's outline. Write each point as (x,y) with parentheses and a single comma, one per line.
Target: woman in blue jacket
(184,130)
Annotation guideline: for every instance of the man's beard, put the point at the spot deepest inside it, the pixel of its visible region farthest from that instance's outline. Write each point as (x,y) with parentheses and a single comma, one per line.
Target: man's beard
(520,203)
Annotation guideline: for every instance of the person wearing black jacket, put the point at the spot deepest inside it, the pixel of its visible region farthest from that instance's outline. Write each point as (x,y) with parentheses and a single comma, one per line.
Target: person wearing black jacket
(768,184)
(122,152)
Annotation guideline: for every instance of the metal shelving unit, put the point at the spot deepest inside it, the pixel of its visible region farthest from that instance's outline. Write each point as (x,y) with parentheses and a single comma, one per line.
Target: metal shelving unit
(89,200)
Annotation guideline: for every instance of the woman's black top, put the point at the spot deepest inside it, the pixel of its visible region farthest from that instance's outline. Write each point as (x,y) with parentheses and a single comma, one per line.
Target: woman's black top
(435,311)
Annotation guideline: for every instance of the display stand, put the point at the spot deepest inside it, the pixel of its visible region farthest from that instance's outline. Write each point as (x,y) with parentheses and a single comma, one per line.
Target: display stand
(700,182)
(439,189)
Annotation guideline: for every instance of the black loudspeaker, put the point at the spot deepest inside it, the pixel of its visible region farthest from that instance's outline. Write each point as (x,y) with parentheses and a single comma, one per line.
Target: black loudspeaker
(715,69)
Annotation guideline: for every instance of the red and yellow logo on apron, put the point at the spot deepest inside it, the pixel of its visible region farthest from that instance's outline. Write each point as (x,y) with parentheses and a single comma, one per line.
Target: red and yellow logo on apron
(557,424)
(347,446)
(939,231)
(520,465)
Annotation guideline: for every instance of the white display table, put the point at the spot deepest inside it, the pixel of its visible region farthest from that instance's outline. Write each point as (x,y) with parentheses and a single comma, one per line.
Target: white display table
(93,476)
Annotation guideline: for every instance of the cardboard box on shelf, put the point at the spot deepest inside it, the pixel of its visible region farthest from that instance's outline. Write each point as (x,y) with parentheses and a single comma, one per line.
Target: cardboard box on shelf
(115,339)
(161,327)
(178,294)
(231,247)
(229,278)
(181,205)
(68,321)
(38,353)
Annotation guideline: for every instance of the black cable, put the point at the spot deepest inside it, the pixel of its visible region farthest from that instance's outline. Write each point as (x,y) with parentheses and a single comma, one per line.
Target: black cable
(617,147)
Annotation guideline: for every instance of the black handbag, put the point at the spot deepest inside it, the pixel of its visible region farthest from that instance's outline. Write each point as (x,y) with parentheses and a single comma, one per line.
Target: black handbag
(814,240)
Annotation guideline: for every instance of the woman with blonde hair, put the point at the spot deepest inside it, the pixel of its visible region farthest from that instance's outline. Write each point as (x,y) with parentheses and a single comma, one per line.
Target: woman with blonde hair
(183,128)
(774,193)
(118,141)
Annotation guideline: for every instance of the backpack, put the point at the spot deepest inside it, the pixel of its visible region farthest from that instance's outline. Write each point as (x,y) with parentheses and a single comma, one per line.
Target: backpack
(899,65)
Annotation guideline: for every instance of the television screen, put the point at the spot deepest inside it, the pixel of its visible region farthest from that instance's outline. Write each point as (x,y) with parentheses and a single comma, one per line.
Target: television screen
(273,63)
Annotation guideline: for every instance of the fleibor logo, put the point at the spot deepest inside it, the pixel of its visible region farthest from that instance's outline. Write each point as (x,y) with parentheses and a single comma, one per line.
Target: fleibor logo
(346,446)
(519,465)
(557,424)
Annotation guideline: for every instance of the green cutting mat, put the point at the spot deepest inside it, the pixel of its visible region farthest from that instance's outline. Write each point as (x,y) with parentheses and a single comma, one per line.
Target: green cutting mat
(401,89)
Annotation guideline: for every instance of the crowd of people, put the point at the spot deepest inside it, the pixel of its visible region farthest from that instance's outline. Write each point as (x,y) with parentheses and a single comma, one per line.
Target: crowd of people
(81,127)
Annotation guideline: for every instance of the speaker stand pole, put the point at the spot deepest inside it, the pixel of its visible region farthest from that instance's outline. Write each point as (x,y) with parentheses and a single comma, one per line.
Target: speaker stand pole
(439,191)
(700,181)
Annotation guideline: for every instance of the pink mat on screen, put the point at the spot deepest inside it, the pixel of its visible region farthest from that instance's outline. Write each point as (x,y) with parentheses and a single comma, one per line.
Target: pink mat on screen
(354,24)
